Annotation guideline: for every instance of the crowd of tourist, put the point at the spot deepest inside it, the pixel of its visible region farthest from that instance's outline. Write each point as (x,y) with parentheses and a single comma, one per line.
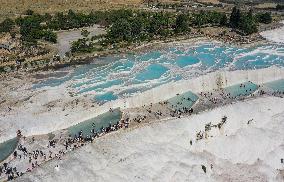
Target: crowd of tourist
(31,156)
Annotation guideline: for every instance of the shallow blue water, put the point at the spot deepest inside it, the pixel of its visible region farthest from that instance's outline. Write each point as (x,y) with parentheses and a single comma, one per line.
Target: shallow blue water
(183,61)
(103,120)
(101,86)
(244,89)
(277,85)
(7,148)
(108,96)
(180,101)
(129,74)
(154,71)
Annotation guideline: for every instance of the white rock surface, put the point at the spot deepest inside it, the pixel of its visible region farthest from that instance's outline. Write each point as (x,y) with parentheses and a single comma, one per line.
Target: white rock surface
(275,35)
(162,151)
(33,117)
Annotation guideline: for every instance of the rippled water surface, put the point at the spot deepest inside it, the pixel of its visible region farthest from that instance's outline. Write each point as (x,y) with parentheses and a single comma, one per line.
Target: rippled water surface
(129,74)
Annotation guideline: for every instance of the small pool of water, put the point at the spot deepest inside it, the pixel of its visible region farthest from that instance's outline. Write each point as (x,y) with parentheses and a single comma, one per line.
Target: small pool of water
(186,99)
(154,71)
(149,56)
(103,120)
(7,148)
(103,98)
(244,89)
(277,85)
(183,61)
(101,86)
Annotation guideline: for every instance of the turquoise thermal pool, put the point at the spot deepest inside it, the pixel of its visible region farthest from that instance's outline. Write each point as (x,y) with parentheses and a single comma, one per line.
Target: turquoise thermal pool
(103,120)
(7,148)
(185,100)
(119,76)
(277,85)
(243,89)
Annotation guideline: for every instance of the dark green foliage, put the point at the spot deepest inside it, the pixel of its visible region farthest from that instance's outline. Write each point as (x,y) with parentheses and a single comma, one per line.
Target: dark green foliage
(7,25)
(247,23)
(83,46)
(264,17)
(209,17)
(70,20)
(235,18)
(48,35)
(280,7)
(31,29)
(130,25)
(120,30)
(182,23)
(224,20)
(80,46)
(139,26)
(29,12)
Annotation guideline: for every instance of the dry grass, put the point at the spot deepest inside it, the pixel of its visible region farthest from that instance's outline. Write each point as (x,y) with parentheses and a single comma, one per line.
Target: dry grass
(11,8)
(266,5)
(209,1)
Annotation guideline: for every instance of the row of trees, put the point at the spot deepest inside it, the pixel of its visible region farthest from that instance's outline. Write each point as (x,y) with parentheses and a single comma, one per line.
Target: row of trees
(34,26)
(209,17)
(31,29)
(248,22)
(140,26)
(137,26)
(130,25)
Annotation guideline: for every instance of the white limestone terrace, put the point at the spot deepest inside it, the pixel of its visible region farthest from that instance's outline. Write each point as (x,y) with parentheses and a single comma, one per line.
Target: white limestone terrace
(53,109)
(275,35)
(248,147)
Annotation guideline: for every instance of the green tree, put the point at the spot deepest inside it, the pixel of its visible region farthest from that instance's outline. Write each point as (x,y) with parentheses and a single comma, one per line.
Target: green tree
(137,26)
(248,24)
(49,36)
(182,24)
(120,31)
(224,20)
(7,25)
(264,17)
(235,18)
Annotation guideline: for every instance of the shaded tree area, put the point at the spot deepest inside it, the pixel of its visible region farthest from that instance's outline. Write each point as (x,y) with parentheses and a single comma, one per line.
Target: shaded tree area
(31,29)
(140,26)
(126,25)
(7,25)
(264,17)
(182,23)
(247,22)
(209,18)
(279,7)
